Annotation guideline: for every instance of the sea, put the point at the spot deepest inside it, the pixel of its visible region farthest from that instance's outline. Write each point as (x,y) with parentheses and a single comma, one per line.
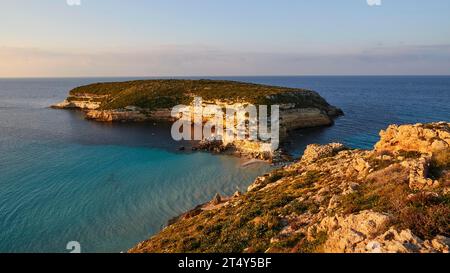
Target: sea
(109,186)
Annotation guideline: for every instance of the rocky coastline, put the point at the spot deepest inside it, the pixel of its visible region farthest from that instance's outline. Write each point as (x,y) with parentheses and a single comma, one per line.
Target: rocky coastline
(394,198)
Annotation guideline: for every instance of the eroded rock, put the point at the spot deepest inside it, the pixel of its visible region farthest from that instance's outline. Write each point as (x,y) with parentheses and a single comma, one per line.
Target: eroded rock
(423,138)
(315,151)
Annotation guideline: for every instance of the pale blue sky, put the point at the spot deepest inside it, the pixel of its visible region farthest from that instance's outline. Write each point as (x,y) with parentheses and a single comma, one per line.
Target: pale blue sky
(223,37)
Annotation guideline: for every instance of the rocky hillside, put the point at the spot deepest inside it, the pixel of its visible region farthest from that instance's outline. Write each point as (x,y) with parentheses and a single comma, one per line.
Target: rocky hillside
(395,198)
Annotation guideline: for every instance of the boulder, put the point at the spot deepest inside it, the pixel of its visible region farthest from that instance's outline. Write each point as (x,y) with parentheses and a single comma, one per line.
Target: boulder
(315,152)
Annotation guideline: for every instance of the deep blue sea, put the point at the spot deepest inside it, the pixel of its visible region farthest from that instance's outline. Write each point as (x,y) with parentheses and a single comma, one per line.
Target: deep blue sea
(109,187)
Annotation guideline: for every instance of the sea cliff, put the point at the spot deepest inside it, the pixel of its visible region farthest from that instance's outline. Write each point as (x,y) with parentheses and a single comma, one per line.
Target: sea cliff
(394,198)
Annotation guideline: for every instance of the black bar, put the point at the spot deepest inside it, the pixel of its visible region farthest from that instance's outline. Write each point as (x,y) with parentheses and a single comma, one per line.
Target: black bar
(226,262)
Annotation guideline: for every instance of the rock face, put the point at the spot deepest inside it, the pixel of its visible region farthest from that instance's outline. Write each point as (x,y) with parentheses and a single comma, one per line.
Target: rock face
(116,116)
(315,152)
(81,101)
(333,200)
(423,138)
(297,118)
(91,105)
(85,105)
(428,140)
(369,231)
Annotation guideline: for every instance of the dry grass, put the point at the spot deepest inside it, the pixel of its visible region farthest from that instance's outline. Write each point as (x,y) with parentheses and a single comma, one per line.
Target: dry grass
(387,191)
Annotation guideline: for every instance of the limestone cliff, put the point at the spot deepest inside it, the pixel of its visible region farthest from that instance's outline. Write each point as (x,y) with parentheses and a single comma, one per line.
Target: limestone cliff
(81,101)
(395,198)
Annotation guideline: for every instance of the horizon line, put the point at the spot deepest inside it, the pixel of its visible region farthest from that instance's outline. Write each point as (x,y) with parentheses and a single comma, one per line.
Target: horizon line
(237,76)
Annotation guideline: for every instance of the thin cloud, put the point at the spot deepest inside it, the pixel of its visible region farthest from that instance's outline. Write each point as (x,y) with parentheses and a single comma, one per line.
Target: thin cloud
(192,60)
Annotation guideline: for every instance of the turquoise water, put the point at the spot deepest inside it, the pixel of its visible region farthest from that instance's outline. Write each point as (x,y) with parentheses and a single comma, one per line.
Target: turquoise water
(107,197)
(110,186)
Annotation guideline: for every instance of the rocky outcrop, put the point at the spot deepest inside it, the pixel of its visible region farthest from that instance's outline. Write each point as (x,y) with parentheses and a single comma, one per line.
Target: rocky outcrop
(85,105)
(423,138)
(81,101)
(315,152)
(428,141)
(369,231)
(332,200)
(91,105)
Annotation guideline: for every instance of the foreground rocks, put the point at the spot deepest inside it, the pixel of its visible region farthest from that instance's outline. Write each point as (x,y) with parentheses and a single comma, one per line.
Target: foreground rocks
(394,198)
(424,142)
(369,231)
(422,138)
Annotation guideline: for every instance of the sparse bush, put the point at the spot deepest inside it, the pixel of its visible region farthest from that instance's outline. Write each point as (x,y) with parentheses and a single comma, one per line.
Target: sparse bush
(189,244)
(299,207)
(439,163)
(290,241)
(274,177)
(409,154)
(426,221)
(306,246)
(312,176)
(280,202)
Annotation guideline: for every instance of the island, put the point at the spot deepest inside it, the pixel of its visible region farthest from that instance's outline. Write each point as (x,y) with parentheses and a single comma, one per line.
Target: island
(394,198)
(147,100)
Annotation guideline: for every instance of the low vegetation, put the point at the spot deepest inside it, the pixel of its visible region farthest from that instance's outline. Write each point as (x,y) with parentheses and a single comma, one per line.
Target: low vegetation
(427,214)
(153,94)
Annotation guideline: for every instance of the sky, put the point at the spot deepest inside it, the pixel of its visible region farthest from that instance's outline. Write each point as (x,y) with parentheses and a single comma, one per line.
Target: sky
(50,38)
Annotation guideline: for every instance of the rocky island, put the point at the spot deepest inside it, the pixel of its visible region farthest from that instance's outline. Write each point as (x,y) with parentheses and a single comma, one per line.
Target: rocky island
(394,198)
(145,100)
